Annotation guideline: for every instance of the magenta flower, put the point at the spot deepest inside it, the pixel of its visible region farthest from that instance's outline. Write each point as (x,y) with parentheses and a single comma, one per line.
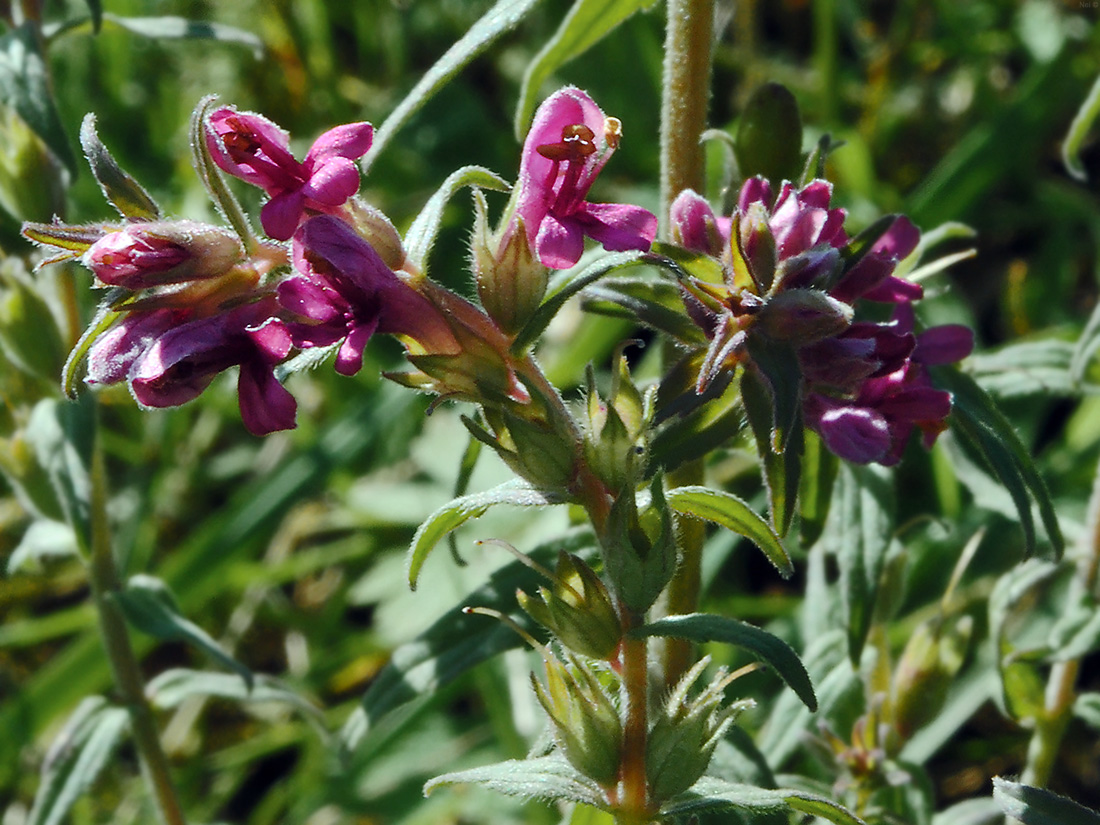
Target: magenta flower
(343,286)
(252,148)
(113,355)
(569,143)
(695,226)
(182,362)
(144,255)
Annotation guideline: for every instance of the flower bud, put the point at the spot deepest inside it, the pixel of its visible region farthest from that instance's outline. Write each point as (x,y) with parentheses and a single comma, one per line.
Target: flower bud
(511,281)
(639,548)
(686,732)
(584,719)
(578,610)
(931,658)
(143,255)
(803,316)
(377,230)
(756,247)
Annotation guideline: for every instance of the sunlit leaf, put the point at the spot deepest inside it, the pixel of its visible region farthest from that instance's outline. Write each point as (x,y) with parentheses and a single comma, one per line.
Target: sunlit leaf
(1078,131)
(61,435)
(587,22)
(180,28)
(123,192)
(422,233)
(704,627)
(44,539)
(76,757)
(1038,806)
(782,469)
(710,794)
(546,777)
(734,514)
(501,18)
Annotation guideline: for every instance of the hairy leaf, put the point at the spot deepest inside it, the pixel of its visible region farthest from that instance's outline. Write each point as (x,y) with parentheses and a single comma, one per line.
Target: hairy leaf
(547,777)
(734,514)
(705,627)
(1037,806)
(44,539)
(422,233)
(123,192)
(501,18)
(711,793)
(587,22)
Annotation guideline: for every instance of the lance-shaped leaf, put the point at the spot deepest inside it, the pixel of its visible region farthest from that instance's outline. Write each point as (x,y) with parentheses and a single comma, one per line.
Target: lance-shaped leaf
(76,758)
(991,435)
(550,307)
(1037,806)
(62,435)
(25,87)
(587,22)
(454,514)
(150,607)
(815,489)
(734,514)
(547,777)
(422,233)
(123,192)
(457,641)
(782,469)
(44,539)
(501,18)
(858,534)
(1078,130)
(713,794)
(704,627)
(656,304)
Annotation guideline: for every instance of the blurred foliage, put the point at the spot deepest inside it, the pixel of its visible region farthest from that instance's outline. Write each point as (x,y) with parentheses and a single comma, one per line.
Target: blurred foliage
(290,550)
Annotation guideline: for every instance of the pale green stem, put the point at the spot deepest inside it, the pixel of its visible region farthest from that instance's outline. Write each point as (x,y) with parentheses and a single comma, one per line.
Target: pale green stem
(129,686)
(686,94)
(1061,692)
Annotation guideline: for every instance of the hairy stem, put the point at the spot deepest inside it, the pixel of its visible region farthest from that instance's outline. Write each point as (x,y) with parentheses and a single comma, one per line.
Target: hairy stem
(129,686)
(634,803)
(1061,693)
(686,93)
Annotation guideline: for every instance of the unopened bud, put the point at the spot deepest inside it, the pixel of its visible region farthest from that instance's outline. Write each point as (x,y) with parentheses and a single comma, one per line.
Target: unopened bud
(511,281)
(584,719)
(931,658)
(756,246)
(143,255)
(377,230)
(803,316)
(578,610)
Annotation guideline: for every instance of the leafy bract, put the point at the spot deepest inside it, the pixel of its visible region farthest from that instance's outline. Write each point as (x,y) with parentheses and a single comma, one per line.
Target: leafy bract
(422,233)
(734,514)
(123,192)
(586,23)
(76,758)
(502,17)
(705,627)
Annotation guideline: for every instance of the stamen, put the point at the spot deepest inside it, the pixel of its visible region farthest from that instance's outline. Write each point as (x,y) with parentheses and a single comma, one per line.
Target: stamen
(240,139)
(577,143)
(612,131)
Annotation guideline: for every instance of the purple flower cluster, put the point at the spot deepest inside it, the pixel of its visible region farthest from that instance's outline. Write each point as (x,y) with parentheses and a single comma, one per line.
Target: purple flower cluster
(864,388)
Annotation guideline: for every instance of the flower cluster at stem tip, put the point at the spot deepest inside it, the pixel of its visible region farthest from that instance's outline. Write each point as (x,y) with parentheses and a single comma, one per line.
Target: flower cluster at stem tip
(788,282)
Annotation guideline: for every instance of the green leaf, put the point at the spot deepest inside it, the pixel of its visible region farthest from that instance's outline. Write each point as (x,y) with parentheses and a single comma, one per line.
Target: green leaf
(422,233)
(587,22)
(44,539)
(656,304)
(546,777)
(1086,707)
(992,436)
(1087,344)
(1077,632)
(782,470)
(150,607)
(105,316)
(457,512)
(61,435)
(501,18)
(769,135)
(777,363)
(25,87)
(76,758)
(1078,130)
(1026,368)
(711,793)
(704,627)
(180,28)
(457,641)
(550,307)
(858,534)
(815,491)
(1036,806)
(734,514)
(123,192)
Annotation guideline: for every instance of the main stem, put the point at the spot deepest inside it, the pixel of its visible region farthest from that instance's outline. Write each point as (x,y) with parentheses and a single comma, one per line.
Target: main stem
(634,804)
(124,666)
(1061,692)
(686,94)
